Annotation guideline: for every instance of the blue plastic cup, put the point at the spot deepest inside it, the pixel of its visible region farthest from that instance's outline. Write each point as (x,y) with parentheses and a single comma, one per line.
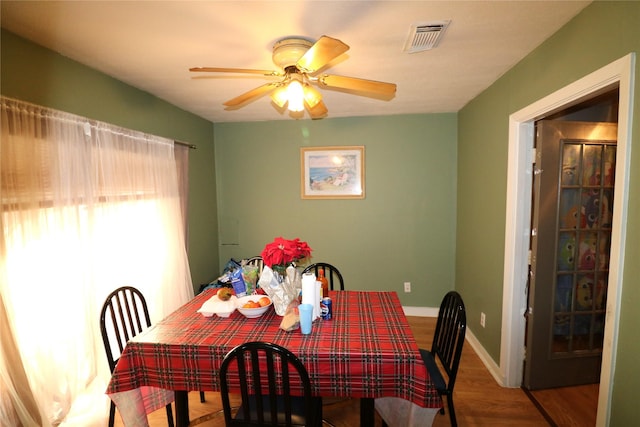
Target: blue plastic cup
(306,314)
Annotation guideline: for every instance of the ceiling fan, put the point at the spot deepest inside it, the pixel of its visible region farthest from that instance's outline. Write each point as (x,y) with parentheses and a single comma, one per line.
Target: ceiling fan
(300,61)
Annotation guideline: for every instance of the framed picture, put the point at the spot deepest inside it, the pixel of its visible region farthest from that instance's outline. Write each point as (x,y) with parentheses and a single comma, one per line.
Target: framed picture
(332,172)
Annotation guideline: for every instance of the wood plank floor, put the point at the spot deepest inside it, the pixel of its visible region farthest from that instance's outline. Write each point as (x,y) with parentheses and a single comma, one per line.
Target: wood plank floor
(479,400)
(569,406)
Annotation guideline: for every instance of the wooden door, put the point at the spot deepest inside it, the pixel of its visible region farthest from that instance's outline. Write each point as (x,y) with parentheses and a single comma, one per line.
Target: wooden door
(570,245)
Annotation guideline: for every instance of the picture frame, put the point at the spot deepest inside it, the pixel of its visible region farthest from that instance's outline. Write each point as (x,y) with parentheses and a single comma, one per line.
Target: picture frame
(335,172)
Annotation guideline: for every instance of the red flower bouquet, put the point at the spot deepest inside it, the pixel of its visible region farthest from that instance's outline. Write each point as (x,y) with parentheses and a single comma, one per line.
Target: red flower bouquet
(280,279)
(282,252)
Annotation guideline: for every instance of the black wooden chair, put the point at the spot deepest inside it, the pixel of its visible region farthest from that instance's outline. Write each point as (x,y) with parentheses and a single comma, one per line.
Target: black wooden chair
(124,315)
(447,348)
(262,372)
(330,272)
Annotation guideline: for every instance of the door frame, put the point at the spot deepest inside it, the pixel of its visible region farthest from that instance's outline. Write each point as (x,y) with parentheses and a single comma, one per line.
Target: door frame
(518,214)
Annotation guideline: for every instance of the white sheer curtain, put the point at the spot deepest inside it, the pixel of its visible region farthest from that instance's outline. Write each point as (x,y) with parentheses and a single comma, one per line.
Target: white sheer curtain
(86,207)
(181,153)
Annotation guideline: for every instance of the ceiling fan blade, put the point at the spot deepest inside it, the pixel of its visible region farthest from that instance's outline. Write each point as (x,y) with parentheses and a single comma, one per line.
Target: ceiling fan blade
(318,111)
(356,84)
(321,53)
(235,70)
(252,94)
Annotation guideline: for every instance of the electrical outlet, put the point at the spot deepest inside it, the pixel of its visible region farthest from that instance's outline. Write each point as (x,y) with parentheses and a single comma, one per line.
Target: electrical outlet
(407,286)
(482,319)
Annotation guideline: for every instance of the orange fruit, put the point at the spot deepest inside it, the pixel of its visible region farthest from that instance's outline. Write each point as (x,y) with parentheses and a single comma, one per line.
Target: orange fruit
(264,301)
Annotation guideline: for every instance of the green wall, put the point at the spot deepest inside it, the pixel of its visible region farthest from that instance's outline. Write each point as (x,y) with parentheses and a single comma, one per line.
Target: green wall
(600,34)
(402,231)
(34,74)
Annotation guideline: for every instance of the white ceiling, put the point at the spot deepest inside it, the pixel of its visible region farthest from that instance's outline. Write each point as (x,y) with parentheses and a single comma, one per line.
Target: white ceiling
(151,44)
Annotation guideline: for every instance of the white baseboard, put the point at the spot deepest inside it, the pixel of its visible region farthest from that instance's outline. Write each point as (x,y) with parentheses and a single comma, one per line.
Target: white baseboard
(487,360)
(421,311)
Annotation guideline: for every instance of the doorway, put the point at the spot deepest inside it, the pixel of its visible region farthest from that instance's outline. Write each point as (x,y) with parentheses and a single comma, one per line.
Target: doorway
(518,207)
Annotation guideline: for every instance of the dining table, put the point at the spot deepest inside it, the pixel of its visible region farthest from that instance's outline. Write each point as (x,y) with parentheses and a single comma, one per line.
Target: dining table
(366,350)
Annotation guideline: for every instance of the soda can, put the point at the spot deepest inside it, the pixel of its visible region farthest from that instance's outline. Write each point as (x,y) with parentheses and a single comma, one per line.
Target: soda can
(326,308)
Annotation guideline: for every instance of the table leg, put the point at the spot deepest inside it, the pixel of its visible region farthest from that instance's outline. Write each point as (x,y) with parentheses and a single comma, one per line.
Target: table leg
(182,408)
(367,412)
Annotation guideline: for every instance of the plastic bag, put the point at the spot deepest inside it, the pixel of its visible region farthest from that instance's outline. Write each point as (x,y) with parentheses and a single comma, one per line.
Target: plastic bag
(224,280)
(281,292)
(291,319)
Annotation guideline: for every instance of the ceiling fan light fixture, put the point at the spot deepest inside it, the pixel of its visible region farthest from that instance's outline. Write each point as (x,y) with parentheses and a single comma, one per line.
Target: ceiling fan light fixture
(311,95)
(279,96)
(295,95)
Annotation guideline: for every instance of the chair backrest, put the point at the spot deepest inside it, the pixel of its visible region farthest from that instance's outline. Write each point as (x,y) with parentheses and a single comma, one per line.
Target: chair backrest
(263,372)
(330,272)
(449,335)
(124,315)
(258,262)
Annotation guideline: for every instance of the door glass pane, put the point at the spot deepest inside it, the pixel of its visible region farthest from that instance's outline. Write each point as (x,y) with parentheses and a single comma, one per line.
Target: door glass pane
(604,247)
(564,294)
(571,164)
(566,251)
(600,295)
(587,251)
(569,208)
(584,292)
(590,208)
(609,165)
(592,166)
(581,332)
(585,204)
(598,331)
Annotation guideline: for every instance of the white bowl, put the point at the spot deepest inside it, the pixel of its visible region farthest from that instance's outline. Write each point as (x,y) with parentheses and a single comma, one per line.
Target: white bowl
(252,313)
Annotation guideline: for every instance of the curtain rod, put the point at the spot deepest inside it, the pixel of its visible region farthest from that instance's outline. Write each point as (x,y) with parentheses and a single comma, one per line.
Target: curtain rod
(76,117)
(193,147)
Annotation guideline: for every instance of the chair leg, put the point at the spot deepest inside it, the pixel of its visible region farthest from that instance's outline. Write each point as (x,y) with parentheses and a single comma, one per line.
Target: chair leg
(112,413)
(170,416)
(202,397)
(452,412)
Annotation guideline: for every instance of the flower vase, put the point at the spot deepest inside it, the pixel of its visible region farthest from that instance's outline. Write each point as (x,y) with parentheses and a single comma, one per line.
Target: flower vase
(279,273)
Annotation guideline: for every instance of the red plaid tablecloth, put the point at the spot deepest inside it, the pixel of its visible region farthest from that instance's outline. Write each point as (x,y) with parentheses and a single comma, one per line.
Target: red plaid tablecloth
(366,350)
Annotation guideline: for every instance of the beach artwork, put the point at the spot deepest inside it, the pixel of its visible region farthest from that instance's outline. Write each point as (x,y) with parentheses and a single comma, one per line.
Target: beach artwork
(332,172)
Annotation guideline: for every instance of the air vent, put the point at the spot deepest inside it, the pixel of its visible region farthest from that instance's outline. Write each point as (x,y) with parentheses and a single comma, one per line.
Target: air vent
(425,35)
